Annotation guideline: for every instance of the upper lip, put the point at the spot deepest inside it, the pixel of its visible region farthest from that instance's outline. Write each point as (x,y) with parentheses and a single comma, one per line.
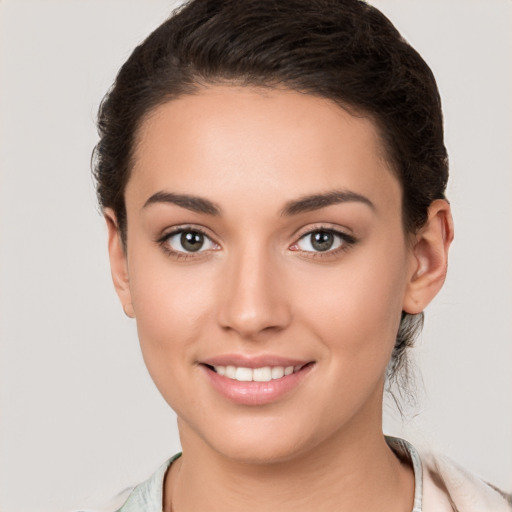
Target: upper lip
(259,361)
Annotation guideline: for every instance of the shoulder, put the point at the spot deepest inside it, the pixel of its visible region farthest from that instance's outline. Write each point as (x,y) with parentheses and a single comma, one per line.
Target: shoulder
(447,486)
(148,495)
(444,486)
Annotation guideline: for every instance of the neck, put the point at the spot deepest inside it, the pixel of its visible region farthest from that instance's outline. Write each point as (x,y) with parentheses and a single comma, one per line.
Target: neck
(349,472)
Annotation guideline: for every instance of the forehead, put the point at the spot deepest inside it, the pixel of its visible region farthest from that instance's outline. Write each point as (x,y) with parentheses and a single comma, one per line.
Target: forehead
(226,140)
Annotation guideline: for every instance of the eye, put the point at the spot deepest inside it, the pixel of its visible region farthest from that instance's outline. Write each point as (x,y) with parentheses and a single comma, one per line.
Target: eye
(188,241)
(322,240)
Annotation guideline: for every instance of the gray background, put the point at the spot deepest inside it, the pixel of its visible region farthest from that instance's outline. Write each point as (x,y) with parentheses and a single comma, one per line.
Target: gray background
(79,416)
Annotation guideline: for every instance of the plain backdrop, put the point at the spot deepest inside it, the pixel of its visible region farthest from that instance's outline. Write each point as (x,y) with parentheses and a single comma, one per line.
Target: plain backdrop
(79,416)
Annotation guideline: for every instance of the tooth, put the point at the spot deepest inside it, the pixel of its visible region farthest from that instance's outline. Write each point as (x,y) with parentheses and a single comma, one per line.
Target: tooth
(230,371)
(243,374)
(262,374)
(277,372)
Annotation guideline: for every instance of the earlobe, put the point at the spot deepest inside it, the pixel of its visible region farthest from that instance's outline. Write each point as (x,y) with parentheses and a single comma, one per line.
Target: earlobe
(429,261)
(118,263)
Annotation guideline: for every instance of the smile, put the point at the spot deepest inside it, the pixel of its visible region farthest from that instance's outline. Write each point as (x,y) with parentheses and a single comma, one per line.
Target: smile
(255,381)
(263,374)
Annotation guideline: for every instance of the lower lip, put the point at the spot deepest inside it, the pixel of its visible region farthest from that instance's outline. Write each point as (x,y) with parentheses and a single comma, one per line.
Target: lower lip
(256,393)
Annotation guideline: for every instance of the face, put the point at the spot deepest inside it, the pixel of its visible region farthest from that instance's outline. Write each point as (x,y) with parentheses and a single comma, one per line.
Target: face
(266,267)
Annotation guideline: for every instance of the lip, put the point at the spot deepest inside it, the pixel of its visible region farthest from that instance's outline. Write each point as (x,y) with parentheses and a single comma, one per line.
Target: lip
(253,361)
(255,393)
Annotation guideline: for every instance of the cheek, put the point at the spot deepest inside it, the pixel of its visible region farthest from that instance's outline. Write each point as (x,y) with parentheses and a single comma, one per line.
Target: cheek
(171,307)
(355,309)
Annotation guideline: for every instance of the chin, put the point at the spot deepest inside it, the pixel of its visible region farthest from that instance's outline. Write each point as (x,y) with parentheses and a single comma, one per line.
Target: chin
(256,452)
(254,440)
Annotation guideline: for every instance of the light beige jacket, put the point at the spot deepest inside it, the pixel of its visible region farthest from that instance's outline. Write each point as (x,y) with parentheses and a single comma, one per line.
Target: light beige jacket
(447,488)
(443,486)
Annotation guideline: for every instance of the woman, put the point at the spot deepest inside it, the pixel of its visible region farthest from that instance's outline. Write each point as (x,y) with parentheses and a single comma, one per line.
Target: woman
(272,177)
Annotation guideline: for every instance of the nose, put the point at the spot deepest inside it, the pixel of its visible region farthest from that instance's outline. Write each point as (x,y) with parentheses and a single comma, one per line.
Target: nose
(252,298)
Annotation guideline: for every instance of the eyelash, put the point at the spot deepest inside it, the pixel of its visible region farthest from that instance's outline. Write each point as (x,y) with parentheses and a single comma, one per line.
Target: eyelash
(346,242)
(163,242)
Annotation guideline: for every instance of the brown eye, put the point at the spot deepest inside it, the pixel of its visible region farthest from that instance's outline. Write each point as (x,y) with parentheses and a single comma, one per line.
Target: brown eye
(323,240)
(192,241)
(320,241)
(188,241)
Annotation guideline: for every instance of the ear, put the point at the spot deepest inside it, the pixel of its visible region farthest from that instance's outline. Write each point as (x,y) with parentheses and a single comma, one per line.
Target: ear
(429,261)
(118,262)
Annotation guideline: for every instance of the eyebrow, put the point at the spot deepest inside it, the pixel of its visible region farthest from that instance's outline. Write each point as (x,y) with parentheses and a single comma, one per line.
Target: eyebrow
(294,207)
(192,203)
(318,201)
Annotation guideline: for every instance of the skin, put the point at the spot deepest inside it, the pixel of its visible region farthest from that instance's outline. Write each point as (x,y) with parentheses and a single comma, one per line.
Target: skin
(259,288)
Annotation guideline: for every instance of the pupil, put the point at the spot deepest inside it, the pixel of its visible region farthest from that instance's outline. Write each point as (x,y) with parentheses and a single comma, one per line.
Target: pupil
(192,241)
(322,240)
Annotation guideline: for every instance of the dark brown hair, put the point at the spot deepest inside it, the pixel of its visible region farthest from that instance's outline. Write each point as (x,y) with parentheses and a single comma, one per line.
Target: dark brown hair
(343,50)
